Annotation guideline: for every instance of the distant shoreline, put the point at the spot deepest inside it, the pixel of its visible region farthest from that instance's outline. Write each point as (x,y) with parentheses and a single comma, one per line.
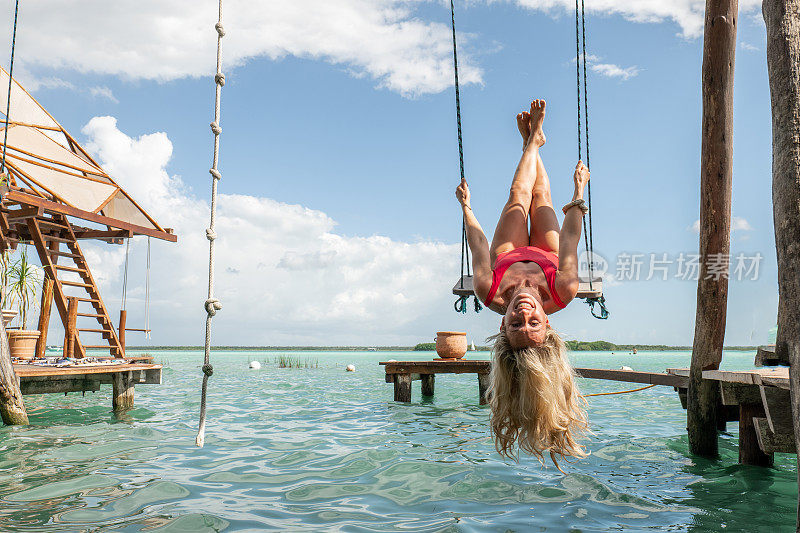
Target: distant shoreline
(575,346)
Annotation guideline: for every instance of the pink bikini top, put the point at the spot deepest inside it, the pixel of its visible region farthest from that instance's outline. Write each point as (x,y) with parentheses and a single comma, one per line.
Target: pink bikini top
(547,260)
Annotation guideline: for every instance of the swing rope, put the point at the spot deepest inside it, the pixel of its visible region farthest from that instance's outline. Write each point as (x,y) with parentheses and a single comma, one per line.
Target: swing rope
(461,303)
(10,79)
(125,275)
(580,56)
(212,304)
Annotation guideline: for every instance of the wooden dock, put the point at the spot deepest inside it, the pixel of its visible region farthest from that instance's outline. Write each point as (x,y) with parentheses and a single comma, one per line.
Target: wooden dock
(757,399)
(35,379)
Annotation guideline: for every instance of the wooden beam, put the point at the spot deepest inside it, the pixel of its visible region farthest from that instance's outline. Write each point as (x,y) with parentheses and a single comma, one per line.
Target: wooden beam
(23,213)
(70,329)
(12,408)
(54,207)
(123,318)
(44,315)
(750,452)
(716,172)
(771,442)
(103,234)
(739,393)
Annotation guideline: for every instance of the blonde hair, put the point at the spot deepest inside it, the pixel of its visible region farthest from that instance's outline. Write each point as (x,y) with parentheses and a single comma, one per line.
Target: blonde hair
(535,402)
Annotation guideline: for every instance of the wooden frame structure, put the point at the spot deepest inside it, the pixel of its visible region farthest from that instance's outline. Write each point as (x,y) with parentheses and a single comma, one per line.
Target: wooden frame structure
(51,182)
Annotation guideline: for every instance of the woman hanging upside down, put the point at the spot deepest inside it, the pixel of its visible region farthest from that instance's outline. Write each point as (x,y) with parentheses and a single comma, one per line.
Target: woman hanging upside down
(525,275)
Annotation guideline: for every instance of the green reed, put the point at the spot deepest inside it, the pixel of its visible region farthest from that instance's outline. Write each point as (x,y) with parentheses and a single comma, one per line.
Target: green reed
(287,361)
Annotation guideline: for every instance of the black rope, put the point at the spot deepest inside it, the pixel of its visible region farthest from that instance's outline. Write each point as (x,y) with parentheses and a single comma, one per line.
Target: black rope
(10,74)
(588,241)
(590,257)
(580,131)
(464,245)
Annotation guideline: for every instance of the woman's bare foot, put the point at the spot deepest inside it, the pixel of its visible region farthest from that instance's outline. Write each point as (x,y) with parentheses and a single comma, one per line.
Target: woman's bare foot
(537,118)
(524,126)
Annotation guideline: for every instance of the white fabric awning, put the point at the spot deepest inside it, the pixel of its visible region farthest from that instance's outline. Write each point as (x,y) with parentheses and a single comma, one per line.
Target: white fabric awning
(42,156)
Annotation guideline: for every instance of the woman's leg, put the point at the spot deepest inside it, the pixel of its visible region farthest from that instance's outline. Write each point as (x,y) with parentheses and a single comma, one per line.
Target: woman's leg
(545,230)
(512,228)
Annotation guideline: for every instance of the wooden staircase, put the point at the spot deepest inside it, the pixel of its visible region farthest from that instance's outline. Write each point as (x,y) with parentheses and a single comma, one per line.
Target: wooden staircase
(73,282)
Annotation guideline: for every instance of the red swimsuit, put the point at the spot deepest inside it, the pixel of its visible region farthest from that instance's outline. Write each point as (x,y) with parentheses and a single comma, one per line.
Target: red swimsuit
(547,260)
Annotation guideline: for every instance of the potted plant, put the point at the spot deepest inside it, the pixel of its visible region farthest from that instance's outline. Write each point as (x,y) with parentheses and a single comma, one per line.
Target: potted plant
(25,279)
(8,313)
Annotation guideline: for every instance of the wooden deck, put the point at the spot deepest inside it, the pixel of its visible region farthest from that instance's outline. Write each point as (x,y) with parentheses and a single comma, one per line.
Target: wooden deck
(34,379)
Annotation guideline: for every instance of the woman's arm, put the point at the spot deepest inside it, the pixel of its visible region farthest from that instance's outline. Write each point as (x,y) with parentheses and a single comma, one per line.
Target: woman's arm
(478,244)
(567,280)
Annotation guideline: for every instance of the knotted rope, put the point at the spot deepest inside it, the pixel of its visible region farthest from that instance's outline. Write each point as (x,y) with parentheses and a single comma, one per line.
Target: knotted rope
(212,304)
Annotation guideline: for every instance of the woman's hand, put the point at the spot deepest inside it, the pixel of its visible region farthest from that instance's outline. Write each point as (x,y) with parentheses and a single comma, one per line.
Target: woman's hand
(462,193)
(581,179)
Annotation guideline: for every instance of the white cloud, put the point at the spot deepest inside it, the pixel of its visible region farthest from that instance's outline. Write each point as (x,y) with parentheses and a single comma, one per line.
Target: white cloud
(740,224)
(614,71)
(688,14)
(171,39)
(384,40)
(99,91)
(609,70)
(282,272)
(744,45)
(737,224)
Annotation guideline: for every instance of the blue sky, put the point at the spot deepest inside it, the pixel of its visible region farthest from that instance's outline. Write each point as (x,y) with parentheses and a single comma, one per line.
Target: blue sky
(339,155)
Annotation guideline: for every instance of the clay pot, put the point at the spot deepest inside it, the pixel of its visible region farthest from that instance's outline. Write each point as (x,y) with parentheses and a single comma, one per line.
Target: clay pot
(8,316)
(23,343)
(451,344)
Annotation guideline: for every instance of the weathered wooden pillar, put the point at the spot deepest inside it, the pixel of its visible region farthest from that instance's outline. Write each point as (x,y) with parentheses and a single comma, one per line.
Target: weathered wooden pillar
(123,317)
(716,176)
(123,390)
(402,387)
(483,386)
(70,332)
(428,384)
(749,451)
(12,408)
(44,315)
(782,18)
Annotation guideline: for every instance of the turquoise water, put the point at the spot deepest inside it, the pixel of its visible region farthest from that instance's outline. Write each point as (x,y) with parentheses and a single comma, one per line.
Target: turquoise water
(320,449)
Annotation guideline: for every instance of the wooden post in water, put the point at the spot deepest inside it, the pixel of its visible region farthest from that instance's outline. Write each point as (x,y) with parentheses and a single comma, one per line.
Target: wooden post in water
(123,390)
(12,409)
(782,18)
(70,332)
(428,384)
(44,315)
(716,173)
(402,387)
(483,386)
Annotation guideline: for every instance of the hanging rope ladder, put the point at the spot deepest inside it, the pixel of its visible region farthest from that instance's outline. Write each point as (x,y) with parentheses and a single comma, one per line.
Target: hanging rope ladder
(212,304)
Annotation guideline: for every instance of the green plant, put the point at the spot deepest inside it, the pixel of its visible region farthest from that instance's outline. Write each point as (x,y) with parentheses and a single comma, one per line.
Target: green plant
(24,281)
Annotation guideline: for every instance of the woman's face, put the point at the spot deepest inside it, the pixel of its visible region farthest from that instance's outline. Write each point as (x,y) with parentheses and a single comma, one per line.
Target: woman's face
(525,320)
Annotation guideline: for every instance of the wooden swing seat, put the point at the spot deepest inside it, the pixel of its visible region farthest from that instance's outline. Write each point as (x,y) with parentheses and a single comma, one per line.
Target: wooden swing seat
(464,287)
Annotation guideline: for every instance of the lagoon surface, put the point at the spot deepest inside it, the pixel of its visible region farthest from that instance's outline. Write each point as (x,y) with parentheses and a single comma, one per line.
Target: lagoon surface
(319,449)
